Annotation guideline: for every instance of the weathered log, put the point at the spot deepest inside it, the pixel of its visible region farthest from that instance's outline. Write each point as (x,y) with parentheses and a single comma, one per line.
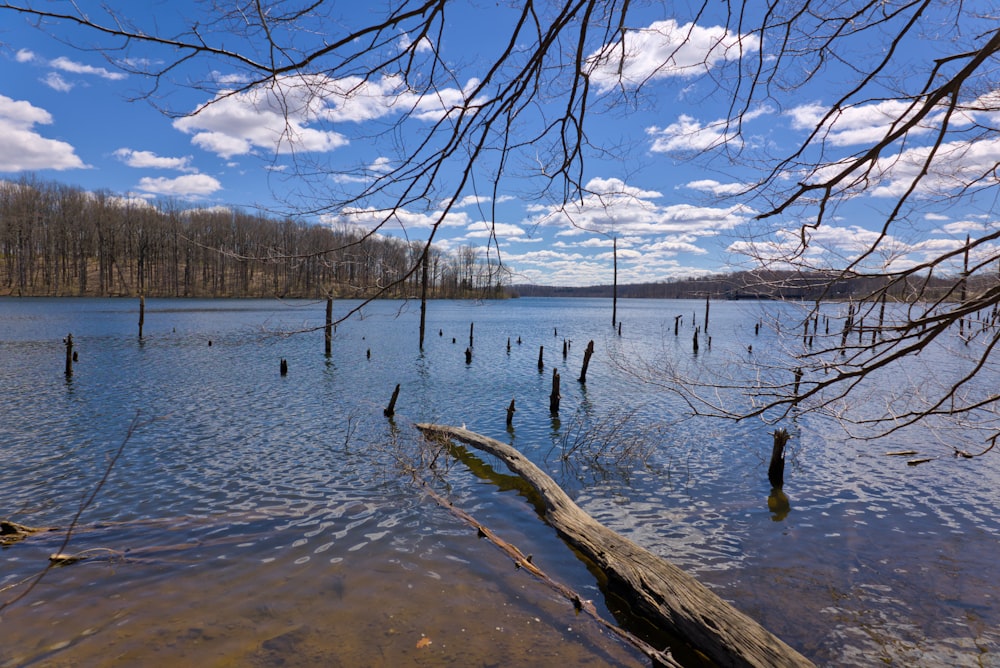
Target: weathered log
(668,596)
(659,657)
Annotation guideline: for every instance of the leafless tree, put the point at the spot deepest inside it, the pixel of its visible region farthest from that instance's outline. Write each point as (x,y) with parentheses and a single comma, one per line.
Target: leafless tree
(926,69)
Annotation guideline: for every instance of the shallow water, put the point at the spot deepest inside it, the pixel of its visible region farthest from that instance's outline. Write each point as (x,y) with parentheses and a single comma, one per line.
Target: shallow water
(255,519)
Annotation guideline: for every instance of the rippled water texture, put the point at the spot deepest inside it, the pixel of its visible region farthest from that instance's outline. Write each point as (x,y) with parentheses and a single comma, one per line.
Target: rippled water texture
(260,519)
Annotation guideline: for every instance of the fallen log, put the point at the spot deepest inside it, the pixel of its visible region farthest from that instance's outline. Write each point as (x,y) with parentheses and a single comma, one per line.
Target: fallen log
(663,593)
(661,658)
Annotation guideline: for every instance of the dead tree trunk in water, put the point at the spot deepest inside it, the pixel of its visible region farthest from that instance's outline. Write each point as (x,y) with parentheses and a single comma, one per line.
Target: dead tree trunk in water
(776,471)
(69,354)
(328,330)
(614,288)
(668,597)
(586,361)
(423,296)
(555,396)
(142,313)
(390,410)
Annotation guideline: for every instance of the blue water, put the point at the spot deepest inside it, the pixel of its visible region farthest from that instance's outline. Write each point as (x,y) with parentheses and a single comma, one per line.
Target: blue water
(258,519)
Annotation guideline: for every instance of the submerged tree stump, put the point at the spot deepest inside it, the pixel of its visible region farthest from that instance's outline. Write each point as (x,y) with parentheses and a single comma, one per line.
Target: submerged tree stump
(69,354)
(510,414)
(555,396)
(390,410)
(669,597)
(328,328)
(776,470)
(587,354)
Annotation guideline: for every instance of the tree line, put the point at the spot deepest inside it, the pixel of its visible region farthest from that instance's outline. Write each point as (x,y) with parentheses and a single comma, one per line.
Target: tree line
(792,284)
(60,240)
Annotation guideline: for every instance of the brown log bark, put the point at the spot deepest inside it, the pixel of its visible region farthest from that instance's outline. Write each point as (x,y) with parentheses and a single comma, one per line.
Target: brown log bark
(662,592)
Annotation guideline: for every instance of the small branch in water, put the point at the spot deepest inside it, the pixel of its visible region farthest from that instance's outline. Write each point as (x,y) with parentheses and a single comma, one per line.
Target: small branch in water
(87,501)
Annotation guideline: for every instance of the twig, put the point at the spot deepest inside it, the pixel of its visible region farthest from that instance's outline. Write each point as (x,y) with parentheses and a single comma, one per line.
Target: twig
(87,501)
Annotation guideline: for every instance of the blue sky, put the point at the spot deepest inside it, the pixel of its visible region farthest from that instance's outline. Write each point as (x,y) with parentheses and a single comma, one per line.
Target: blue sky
(69,115)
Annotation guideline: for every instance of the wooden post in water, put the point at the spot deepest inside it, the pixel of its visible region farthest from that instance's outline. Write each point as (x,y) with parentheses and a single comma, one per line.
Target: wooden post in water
(69,354)
(776,471)
(565,349)
(284,367)
(706,314)
(541,352)
(555,396)
(472,326)
(328,330)
(468,355)
(694,341)
(586,361)
(390,410)
(142,312)
(677,323)
(510,413)
(508,344)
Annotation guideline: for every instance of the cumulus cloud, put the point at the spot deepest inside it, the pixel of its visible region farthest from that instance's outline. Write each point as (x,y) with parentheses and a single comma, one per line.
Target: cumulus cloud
(294,112)
(486,230)
(22,148)
(67,65)
(715,188)
(615,208)
(149,160)
(666,49)
(238,123)
(24,56)
(189,186)
(397,219)
(56,82)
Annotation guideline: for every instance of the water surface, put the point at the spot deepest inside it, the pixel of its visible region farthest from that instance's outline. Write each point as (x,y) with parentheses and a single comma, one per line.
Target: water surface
(260,519)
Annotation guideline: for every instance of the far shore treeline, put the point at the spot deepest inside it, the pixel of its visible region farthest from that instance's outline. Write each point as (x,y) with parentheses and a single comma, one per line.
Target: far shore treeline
(60,240)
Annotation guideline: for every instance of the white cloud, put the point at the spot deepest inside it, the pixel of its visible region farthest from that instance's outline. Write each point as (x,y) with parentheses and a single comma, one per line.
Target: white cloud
(503,231)
(148,159)
(67,65)
(24,56)
(715,188)
(189,186)
(56,82)
(666,49)
(287,115)
(689,134)
(398,219)
(23,149)
(615,208)
(238,123)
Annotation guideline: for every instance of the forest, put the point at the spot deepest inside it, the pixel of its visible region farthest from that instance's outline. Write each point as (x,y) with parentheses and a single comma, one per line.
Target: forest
(59,240)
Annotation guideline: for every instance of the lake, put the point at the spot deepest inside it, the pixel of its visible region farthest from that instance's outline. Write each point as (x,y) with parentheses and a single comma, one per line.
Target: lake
(260,519)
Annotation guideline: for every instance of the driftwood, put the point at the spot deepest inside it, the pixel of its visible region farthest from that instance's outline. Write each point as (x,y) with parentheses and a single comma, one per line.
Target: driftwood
(660,591)
(661,657)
